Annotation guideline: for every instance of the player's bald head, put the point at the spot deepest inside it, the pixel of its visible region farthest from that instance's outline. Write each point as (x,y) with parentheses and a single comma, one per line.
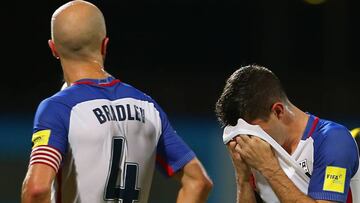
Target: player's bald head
(78,29)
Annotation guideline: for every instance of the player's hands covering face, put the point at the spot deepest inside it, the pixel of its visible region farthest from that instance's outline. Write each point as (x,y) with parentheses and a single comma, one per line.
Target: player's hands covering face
(257,153)
(243,171)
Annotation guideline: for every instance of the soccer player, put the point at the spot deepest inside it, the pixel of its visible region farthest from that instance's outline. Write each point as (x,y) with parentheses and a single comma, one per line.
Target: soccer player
(325,150)
(98,140)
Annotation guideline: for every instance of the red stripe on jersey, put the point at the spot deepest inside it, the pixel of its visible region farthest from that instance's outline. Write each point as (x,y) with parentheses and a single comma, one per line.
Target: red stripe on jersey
(349,198)
(43,162)
(313,127)
(47,159)
(94,83)
(110,84)
(47,155)
(165,165)
(83,83)
(49,149)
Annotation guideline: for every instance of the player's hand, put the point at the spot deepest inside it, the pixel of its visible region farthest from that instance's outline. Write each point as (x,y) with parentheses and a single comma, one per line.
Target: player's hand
(243,171)
(257,153)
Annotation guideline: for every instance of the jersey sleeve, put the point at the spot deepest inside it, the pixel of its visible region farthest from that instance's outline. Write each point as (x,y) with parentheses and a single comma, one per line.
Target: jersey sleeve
(335,163)
(49,139)
(172,152)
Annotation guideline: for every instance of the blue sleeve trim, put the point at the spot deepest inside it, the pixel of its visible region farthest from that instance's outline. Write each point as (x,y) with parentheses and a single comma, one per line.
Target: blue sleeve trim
(327,196)
(183,161)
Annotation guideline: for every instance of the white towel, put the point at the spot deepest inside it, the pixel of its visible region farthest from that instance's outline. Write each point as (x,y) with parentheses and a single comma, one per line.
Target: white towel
(287,163)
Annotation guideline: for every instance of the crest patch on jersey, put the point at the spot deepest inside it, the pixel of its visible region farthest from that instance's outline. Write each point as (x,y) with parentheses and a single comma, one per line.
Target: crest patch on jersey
(334,179)
(304,165)
(40,138)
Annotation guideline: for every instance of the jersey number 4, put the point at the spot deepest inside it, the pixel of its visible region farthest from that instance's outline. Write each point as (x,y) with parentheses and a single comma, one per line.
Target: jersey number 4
(127,192)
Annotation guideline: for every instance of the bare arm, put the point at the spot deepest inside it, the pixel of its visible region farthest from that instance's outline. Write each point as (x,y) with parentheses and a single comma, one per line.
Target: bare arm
(37,184)
(195,184)
(259,155)
(244,192)
(285,189)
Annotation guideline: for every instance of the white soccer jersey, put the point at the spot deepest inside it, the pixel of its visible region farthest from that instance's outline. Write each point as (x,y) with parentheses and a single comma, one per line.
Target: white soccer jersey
(103,137)
(329,156)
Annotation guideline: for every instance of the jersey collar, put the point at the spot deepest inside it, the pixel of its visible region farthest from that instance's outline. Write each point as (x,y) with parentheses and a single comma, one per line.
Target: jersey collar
(109,81)
(310,127)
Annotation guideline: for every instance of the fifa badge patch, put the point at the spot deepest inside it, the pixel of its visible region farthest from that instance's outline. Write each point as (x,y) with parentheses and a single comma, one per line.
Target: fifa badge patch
(40,138)
(335,179)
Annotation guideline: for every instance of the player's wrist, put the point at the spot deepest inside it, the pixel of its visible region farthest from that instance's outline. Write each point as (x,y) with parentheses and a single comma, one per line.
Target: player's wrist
(270,171)
(243,185)
(270,168)
(242,177)
(243,182)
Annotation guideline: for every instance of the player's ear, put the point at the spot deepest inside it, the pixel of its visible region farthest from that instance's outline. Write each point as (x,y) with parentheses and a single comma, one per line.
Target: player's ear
(278,109)
(53,48)
(104,45)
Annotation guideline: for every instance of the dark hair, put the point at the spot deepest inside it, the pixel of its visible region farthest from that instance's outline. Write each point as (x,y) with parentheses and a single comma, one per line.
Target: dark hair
(249,94)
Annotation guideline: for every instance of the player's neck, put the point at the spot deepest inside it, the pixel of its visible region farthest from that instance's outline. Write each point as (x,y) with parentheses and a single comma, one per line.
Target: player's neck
(296,129)
(77,70)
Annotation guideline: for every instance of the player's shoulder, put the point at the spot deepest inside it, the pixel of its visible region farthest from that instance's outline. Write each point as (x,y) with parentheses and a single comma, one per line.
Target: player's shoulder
(331,129)
(334,143)
(130,91)
(75,94)
(133,92)
(331,134)
(57,102)
(63,97)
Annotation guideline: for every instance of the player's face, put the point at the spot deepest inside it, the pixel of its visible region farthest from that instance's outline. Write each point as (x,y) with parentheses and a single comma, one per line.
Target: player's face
(274,127)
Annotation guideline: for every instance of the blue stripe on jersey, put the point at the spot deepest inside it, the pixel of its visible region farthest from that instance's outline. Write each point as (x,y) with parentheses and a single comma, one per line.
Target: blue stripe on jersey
(308,127)
(54,114)
(333,146)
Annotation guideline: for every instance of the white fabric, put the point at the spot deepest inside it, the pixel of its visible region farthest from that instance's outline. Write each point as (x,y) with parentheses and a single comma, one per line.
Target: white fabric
(64,86)
(291,168)
(294,165)
(86,133)
(94,140)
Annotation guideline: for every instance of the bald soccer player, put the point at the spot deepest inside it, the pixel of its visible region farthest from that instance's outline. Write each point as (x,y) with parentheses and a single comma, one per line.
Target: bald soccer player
(98,140)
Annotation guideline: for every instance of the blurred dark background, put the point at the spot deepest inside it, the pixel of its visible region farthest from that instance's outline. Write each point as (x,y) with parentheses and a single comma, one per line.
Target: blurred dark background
(181,52)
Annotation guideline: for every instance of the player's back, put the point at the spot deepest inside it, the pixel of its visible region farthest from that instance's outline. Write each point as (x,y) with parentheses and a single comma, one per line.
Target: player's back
(109,143)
